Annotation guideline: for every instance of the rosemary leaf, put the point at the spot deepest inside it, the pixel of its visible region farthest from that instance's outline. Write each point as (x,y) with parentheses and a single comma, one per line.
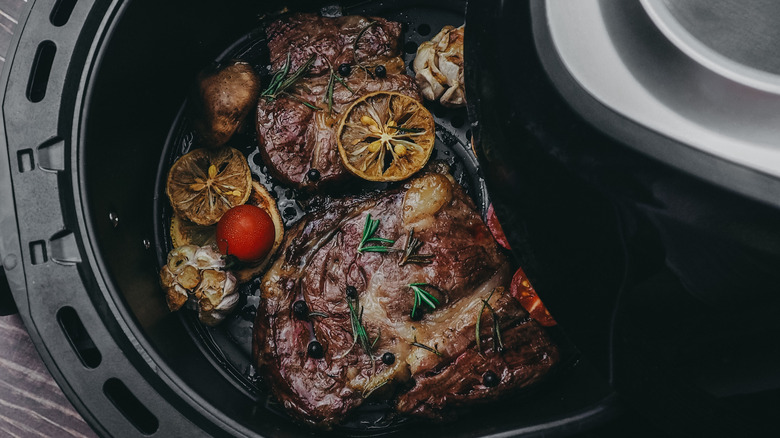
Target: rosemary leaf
(498,343)
(277,78)
(374,249)
(302,102)
(379,333)
(479,320)
(367,70)
(410,254)
(422,296)
(297,74)
(329,92)
(320,314)
(425,347)
(369,229)
(342,81)
(359,333)
(280,82)
(360,34)
(380,239)
(427,298)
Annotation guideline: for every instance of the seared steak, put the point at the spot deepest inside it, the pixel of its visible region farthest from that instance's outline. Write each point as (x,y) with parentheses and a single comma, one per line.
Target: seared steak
(436,354)
(294,137)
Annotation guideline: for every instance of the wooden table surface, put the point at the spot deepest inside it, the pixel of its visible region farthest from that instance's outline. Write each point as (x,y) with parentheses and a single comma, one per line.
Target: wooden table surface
(31,403)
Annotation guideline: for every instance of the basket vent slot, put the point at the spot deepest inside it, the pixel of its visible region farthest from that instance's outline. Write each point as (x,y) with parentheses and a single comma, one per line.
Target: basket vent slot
(79,339)
(51,155)
(127,403)
(60,13)
(38,252)
(39,73)
(26,160)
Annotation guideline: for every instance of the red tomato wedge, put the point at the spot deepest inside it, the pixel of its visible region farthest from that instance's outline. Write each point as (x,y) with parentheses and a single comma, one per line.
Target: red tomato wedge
(495,228)
(522,290)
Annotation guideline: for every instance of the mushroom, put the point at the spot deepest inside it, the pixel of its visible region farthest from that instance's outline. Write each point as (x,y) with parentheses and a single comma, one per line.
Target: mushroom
(439,67)
(198,273)
(225,97)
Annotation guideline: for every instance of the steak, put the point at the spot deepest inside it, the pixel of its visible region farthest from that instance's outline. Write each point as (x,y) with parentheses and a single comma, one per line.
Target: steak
(295,138)
(436,360)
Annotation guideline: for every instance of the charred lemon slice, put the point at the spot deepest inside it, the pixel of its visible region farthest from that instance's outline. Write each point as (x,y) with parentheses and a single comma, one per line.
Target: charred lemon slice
(205,183)
(386,136)
(184,232)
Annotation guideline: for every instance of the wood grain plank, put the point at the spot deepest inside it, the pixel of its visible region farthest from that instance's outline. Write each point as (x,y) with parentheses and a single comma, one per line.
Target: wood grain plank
(10,11)
(31,403)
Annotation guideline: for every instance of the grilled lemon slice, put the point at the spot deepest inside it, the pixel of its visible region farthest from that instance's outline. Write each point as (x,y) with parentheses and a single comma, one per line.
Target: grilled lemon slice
(205,183)
(386,136)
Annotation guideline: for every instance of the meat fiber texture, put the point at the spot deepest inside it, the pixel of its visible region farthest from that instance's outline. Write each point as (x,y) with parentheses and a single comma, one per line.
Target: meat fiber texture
(295,138)
(321,259)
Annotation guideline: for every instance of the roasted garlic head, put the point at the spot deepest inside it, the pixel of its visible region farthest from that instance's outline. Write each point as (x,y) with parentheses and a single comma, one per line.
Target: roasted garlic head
(197,274)
(439,67)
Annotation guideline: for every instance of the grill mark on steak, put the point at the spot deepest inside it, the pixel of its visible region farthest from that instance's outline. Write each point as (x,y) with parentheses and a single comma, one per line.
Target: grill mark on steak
(295,138)
(319,261)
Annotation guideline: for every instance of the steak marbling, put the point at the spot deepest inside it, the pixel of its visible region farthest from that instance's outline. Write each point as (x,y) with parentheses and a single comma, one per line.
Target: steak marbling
(320,260)
(295,138)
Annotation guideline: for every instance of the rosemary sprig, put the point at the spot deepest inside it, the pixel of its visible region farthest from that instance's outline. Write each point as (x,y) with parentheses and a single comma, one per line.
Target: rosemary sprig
(329,92)
(277,78)
(410,254)
(360,34)
(421,296)
(479,321)
(425,347)
(334,77)
(280,82)
(342,81)
(368,237)
(302,102)
(359,333)
(367,70)
(498,342)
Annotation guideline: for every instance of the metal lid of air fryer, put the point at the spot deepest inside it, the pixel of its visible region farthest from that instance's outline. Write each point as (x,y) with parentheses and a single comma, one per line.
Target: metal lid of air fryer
(692,83)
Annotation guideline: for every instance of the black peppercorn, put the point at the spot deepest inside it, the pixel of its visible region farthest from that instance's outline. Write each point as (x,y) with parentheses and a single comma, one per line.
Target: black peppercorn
(352,292)
(416,315)
(388,358)
(490,379)
(313,174)
(315,350)
(380,71)
(300,309)
(345,70)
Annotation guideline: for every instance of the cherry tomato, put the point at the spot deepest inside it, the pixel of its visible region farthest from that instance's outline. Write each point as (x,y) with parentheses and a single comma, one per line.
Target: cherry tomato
(495,228)
(521,289)
(246,232)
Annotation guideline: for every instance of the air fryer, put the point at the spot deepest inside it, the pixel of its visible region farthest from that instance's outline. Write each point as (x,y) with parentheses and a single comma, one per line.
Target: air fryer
(662,282)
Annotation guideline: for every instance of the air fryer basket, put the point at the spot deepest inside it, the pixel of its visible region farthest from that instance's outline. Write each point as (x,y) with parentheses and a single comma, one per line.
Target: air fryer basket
(92,90)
